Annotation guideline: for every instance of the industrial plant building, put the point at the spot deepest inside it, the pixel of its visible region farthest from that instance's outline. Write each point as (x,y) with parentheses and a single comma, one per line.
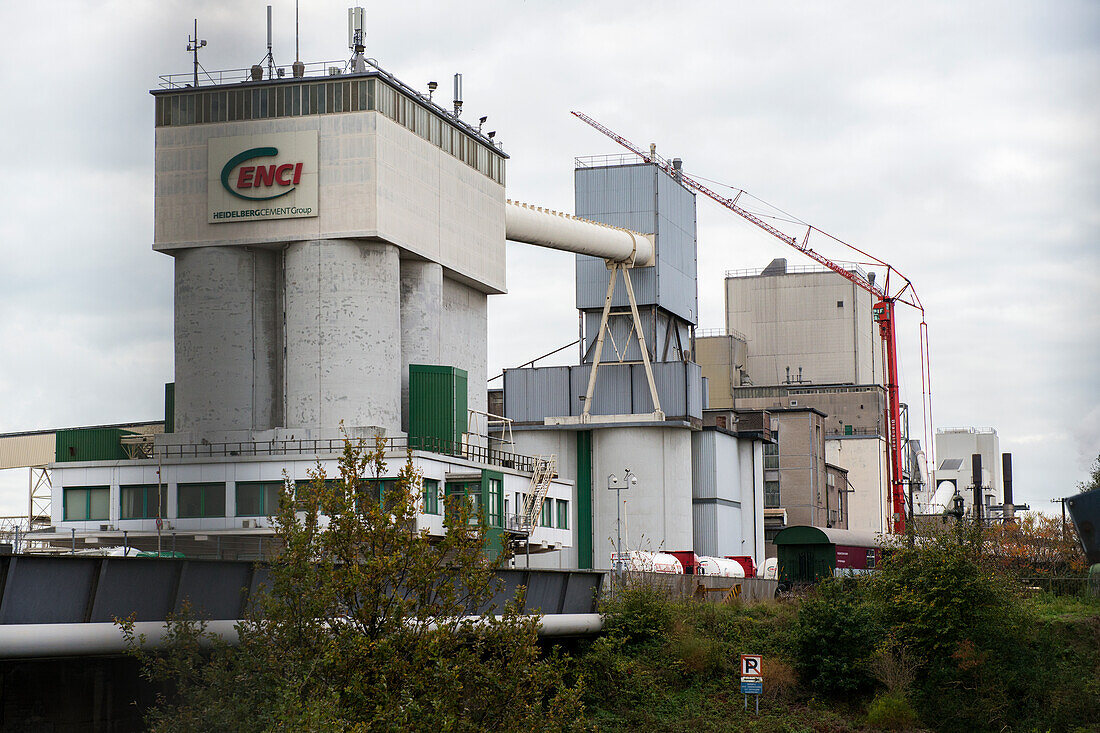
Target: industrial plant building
(335,236)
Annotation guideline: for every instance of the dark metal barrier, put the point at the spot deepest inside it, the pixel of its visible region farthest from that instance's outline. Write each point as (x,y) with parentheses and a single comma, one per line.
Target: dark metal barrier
(64,590)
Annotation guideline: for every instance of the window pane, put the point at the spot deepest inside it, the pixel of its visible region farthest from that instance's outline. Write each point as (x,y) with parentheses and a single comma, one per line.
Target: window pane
(189,500)
(563,514)
(771,494)
(271,497)
(431,496)
(250,499)
(132,502)
(214,500)
(99,504)
(76,504)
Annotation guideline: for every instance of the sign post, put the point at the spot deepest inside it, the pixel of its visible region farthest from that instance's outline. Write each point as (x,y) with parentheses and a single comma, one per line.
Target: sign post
(752,678)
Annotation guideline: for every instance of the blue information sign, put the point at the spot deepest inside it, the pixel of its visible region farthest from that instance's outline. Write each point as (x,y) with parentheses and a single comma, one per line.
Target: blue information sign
(752,685)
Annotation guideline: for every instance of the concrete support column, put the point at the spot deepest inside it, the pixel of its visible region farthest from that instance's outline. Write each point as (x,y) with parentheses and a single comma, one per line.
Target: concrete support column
(226,339)
(421,314)
(343,335)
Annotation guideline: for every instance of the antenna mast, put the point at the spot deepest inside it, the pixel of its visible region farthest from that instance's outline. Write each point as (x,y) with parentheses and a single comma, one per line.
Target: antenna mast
(193,45)
(270,58)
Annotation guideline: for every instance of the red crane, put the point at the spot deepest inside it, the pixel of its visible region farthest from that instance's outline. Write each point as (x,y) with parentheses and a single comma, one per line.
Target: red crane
(896,288)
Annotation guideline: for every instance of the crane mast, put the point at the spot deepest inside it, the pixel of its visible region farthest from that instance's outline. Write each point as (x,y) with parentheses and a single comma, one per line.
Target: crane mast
(883,311)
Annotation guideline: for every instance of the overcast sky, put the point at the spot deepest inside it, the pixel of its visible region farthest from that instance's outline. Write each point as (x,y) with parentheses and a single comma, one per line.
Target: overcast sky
(958,141)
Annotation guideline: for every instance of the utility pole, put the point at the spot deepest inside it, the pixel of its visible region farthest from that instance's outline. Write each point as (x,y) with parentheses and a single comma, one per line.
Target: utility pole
(1063,503)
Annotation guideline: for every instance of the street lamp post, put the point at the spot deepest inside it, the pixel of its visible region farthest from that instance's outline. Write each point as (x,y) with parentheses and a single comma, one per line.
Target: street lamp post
(614,483)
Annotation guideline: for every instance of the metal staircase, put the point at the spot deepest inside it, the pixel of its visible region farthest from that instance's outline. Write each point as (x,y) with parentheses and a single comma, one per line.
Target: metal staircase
(546,468)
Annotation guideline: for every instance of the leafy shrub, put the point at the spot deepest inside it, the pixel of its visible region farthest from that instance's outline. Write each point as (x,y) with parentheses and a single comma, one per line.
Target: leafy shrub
(891,711)
(835,638)
(638,615)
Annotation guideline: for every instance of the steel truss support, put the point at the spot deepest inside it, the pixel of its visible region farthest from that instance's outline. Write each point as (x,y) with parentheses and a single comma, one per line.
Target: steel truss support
(617,268)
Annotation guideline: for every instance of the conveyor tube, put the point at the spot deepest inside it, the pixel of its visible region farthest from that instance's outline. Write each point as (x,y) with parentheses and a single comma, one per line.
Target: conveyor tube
(556,230)
(31,641)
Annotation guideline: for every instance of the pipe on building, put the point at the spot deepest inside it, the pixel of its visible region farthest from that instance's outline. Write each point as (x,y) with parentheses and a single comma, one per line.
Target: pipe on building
(33,641)
(556,230)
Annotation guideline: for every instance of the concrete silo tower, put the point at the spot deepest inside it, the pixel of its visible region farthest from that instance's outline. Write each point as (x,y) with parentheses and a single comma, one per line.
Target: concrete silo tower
(327,232)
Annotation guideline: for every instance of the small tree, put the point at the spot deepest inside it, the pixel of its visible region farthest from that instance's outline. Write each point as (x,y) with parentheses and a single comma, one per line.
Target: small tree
(1036,545)
(369,624)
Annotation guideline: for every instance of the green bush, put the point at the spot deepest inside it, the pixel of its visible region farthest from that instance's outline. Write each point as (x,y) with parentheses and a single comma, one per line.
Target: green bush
(891,711)
(638,615)
(835,638)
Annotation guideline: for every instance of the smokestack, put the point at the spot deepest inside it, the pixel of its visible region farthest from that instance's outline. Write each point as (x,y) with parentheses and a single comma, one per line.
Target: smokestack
(976,463)
(1006,477)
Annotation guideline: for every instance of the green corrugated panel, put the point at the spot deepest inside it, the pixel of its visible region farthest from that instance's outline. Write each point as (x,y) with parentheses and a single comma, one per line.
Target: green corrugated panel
(90,444)
(584,500)
(437,404)
(170,407)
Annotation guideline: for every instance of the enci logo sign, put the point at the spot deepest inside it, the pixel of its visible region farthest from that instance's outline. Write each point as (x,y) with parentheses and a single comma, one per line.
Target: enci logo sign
(283,175)
(271,175)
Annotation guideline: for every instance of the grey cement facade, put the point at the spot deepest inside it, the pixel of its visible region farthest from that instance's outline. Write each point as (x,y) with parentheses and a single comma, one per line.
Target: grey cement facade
(227,339)
(343,335)
(464,337)
(421,318)
(303,323)
(818,321)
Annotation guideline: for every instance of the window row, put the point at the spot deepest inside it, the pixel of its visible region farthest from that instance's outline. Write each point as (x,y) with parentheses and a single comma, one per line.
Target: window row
(207,500)
(328,97)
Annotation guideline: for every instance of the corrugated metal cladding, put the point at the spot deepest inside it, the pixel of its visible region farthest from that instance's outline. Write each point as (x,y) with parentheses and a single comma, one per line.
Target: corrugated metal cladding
(704,465)
(437,402)
(532,395)
(21,451)
(90,444)
(643,198)
(716,529)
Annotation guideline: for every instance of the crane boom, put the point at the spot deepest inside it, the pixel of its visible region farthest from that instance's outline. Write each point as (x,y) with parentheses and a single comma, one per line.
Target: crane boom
(883,310)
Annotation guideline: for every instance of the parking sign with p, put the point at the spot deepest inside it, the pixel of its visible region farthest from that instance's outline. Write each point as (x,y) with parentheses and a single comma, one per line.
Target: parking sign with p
(752,665)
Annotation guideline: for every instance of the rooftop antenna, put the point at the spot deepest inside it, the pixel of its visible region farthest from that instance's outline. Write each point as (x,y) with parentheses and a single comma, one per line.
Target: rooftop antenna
(299,69)
(458,94)
(355,39)
(194,44)
(270,59)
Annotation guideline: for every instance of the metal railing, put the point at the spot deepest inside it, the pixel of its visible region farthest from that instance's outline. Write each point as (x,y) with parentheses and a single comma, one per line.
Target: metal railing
(335,446)
(600,161)
(712,332)
(236,76)
(798,269)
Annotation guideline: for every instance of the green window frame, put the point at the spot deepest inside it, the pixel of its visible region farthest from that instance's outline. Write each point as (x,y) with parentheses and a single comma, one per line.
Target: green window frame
(496,500)
(546,516)
(563,513)
(431,495)
(86,503)
(258,498)
(200,500)
(140,501)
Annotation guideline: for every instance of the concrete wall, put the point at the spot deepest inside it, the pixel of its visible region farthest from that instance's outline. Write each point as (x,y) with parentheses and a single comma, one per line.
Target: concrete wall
(862,407)
(868,474)
(719,357)
(343,335)
(227,342)
(657,512)
(794,320)
(376,179)
(464,337)
(421,321)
